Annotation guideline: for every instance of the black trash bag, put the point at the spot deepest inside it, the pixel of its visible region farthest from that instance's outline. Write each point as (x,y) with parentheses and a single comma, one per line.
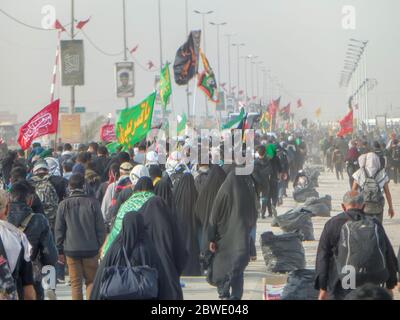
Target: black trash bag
(320,207)
(300,286)
(297,220)
(302,194)
(282,253)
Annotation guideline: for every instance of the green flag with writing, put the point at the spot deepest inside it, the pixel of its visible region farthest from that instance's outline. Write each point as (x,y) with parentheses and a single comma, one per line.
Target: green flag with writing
(134,123)
(165,85)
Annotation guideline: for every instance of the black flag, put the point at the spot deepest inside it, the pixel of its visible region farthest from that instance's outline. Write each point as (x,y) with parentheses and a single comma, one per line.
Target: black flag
(187,59)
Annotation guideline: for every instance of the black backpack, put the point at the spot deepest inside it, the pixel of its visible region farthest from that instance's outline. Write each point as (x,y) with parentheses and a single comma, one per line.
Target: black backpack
(362,245)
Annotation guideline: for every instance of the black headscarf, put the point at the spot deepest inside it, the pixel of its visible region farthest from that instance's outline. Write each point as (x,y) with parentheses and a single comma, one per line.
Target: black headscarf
(206,199)
(163,189)
(155,171)
(144,184)
(233,216)
(137,244)
(185,194)
(163,231)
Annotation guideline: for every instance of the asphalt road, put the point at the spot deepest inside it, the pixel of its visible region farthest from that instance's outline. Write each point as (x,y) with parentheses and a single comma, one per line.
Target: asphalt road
(196,288)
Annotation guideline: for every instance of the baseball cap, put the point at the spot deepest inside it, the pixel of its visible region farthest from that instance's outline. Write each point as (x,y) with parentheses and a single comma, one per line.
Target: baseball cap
(126,166)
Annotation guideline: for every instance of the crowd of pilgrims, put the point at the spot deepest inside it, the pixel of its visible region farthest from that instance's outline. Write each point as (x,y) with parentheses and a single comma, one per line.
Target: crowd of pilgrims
(168,216)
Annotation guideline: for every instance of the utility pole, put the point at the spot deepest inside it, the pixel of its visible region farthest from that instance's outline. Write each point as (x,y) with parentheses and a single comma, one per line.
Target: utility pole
(72,37)
(187,35)
(203,14)
(124,32)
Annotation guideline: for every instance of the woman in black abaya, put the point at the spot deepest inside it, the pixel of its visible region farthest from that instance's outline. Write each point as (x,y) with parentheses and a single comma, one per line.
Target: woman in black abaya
(185,195)
(162,229)
(163,189)
(205,202)
(134,239)
(233,216)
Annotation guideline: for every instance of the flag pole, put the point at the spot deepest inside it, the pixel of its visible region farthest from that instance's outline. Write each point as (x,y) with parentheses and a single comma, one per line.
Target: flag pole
(54,80)
(194,101)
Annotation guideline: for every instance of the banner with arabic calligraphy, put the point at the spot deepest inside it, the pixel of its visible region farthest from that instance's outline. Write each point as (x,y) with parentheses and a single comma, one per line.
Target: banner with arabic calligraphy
(134,123)
(107,133)
(42,123)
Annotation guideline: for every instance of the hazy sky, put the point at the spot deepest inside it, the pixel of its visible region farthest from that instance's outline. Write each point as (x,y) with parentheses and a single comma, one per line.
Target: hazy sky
(302,42)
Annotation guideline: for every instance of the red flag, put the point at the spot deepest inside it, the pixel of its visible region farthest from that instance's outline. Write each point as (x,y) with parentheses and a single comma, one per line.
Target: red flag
(277,102)
(107,133)
(59,26)
(134,49)
(42,123)
(241,92)
(299,103)
(273,107)
(346,124)
(286,109)
(82,23)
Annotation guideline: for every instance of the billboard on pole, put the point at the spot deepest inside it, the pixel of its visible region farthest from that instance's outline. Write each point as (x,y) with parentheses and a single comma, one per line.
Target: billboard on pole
(125,79)
(72,63)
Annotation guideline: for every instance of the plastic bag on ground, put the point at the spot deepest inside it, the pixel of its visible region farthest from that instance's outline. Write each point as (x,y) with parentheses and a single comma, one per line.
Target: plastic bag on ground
(320,207)
(300,286)
(302,194)
(282,253)
(297,220)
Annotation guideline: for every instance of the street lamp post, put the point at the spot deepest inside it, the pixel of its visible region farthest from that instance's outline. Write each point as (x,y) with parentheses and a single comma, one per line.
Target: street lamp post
(229,63)
(218,25)
(238,45)
(203,14)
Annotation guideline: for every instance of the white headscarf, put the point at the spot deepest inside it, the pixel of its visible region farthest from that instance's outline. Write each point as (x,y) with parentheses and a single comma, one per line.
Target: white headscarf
(137,172)
(13,240)
(54,166)
(151,158)
(174,161)
(370,164)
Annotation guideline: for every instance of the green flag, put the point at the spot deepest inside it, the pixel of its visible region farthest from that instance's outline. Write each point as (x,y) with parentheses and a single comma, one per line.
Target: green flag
(234,122)
(112,147)
(134,123)
(181,123)
(165,85)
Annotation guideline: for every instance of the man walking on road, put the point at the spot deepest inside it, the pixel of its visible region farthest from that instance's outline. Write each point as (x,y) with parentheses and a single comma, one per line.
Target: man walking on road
(353,241)
(80,233)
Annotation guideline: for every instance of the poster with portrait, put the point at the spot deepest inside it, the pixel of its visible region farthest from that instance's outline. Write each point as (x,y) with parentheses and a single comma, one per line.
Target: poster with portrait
(125,81)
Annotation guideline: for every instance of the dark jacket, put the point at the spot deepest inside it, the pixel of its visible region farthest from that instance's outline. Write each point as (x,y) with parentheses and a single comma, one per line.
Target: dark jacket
(60,184)
(261,174)
(327,277)
(38,233)
(79,226)
(101,164)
